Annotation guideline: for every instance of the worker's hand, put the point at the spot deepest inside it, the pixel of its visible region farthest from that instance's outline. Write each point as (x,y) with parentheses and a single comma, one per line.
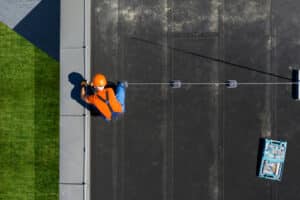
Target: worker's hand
(83,83)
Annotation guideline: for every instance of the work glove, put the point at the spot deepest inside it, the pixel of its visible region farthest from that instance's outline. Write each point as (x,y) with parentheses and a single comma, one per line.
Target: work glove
(83,83)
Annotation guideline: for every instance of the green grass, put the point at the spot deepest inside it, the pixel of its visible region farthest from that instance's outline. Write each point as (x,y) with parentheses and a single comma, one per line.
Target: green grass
(29,120)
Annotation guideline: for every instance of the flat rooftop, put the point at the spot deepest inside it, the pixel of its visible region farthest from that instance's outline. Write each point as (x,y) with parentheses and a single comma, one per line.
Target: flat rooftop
(196,142)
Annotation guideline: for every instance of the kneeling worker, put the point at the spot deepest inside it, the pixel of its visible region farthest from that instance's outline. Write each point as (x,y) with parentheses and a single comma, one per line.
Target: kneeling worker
(104,99)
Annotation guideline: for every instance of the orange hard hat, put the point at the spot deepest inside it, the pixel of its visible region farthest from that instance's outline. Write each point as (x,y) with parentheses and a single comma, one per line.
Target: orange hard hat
(99,80)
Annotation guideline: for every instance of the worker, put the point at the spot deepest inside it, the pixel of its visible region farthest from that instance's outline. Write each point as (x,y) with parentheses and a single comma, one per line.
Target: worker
(109,104)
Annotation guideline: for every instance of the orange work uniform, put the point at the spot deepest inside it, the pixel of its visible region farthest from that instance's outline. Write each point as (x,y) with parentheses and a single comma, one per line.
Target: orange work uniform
(104,105)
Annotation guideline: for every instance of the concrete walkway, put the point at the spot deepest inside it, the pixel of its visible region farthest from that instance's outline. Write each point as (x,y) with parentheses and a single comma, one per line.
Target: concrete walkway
(74,119)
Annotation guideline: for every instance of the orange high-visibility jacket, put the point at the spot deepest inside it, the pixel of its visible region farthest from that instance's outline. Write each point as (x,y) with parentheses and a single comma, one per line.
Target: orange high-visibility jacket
(104,105)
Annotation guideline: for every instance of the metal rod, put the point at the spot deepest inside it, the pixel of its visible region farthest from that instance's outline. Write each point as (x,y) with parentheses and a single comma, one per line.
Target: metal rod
(148,83)
(216,83)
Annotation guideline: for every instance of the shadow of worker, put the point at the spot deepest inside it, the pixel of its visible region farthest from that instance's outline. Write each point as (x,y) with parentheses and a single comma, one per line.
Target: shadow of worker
(75,79)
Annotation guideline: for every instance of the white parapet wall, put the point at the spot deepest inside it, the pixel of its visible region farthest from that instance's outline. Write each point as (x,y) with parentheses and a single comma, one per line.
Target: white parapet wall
(74,118)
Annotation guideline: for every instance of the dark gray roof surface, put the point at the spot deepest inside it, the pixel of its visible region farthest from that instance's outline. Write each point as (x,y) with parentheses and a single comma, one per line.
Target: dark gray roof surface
(196,142)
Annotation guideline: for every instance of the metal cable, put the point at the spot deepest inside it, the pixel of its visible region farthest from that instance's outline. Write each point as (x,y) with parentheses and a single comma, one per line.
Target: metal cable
(218,83)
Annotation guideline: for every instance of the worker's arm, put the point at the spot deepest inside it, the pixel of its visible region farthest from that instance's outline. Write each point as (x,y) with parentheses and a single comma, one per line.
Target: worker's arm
(114,101)
(83,93)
